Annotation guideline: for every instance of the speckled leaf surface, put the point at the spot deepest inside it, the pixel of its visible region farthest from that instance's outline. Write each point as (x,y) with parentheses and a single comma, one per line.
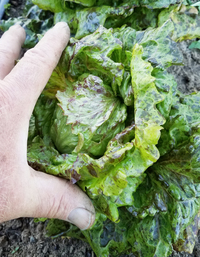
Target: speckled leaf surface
(89,125)
(84,17)
(170,201)
(186,22)
(148,120)
(151,4)
(159,48)
(160,3)
(167,87)
(183,118)
(35,21)
(94,55)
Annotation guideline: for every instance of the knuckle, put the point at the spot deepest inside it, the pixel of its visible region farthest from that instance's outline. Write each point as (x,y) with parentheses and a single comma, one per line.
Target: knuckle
(7,53)
(59,205)
(62,207)
(19,29)
(4,198)
(40,57)
(7,99)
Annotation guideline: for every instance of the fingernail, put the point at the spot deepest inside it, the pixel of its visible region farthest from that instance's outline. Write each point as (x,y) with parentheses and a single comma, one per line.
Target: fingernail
(62,24)
(15,26)
(82,218)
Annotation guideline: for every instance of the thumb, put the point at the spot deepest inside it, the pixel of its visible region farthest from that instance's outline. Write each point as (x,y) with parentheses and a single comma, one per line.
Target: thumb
(53,197)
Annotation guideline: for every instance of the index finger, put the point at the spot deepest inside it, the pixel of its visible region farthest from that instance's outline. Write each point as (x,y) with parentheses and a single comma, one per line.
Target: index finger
(30,75)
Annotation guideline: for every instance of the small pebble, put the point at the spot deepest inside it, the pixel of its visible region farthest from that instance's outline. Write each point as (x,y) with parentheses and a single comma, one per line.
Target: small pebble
(39,227)
(25,234)
(17,224)
(45,249)
(71,249)
(3,241)
(32,239)
(14,3)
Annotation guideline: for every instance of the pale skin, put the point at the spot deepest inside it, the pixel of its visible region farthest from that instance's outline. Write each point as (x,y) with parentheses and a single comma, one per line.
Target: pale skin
(25,192)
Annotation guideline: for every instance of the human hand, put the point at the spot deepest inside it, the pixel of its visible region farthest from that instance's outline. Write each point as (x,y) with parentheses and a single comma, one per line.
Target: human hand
(25,192)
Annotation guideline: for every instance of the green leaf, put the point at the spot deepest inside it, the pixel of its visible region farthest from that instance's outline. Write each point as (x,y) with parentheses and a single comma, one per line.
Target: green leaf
(84,21)
(186,22)
(53,6)
(195,44)
(56,228)
(148,120)
(170,201)
(143,18)
(196,4)
(43,113)
(183,118)
(98,55)
(127,36)
(187,242)
(44,157)
(159,47)
(83,2)
(87,125)
(174,195)
(35,21)
(160,3)
(166,85)
(57,80)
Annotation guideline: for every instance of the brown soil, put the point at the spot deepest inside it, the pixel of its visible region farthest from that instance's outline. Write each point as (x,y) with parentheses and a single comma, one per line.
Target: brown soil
(25,238)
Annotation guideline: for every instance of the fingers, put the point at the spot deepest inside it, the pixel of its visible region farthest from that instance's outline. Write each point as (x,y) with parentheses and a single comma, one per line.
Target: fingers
(52,197)
(33,71)
(10,46)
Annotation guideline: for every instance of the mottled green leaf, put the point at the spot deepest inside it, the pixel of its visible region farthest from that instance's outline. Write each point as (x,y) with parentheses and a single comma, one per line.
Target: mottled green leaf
(143,18)
(57,81)
(35,22)
(94,55)
(187,242)
(43,113)
(159,3)
(186,22)
(87,20)
(173,193)
(166,85)
(183,118)
(159,48)
(87,125)
(148,120)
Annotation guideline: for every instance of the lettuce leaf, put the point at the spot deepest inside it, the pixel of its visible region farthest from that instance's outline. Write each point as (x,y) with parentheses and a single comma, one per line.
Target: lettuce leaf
(84,17)
(183,118)
(186,22)
(87,126)
(34,20)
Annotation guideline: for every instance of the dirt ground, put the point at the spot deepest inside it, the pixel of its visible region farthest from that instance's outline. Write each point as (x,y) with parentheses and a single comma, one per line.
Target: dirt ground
(25,238)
